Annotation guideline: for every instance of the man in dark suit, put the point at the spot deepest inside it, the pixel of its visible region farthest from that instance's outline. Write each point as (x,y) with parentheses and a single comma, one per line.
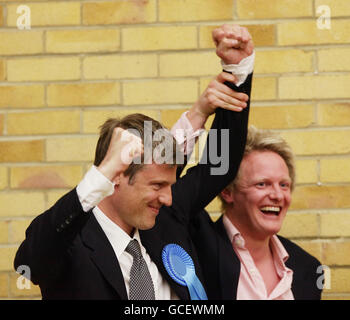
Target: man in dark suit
(87,245)
(240,254)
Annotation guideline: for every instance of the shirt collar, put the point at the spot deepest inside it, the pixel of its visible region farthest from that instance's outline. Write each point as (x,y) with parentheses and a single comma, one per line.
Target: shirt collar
(232,232)
(278,249)
(118,238)
(236,238)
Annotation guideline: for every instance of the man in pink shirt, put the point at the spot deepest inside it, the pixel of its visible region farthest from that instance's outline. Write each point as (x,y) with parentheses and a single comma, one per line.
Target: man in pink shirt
(241,255)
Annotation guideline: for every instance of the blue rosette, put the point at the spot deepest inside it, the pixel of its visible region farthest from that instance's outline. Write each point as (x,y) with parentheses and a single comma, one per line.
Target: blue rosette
(180,267)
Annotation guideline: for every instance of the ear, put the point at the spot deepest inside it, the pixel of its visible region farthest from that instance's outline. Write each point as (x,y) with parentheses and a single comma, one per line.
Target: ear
(117,180)
(227,195)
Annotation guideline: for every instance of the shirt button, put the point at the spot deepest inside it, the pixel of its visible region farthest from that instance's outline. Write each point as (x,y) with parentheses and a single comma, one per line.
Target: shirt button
(239,243)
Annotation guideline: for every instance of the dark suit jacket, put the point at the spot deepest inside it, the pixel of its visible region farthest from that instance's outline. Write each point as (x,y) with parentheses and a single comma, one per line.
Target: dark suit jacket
(69,255)
(221,266)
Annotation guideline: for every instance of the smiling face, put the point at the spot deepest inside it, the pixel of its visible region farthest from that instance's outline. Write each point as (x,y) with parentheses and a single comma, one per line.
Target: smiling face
(136,204)
(261,198)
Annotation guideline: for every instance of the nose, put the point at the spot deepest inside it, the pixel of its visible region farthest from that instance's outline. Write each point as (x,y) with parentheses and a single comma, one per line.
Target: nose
(166,197)
(276,193)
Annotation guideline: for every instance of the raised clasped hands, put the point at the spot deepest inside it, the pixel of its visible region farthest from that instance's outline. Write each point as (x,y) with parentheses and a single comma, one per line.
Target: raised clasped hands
(233,43)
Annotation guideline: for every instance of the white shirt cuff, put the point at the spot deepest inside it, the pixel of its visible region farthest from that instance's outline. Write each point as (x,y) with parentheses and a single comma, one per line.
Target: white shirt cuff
(185,136)
(241,70)
(93,188)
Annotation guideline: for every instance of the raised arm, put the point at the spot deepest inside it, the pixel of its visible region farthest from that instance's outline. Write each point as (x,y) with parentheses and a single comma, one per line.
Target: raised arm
(226,140)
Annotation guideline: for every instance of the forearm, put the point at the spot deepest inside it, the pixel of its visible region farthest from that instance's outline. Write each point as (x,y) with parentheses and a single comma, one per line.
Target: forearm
(203,182)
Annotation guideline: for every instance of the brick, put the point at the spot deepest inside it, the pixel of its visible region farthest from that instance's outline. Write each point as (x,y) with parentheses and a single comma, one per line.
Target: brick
(2,121)
(335,224)
(128,66)
(262,34)
(326,296)
(16,204)
(313,248)
(257,9)
(22,151)
(281,61)
(83,94)
(282,117)
(159,38)
(20,289)
(28,96)
(93,119)
(3,178)
(21,42)
(2,70)
(52,68)
(306,171)
(43,122)
(45,177)
(71,149)
(335,170)
(17,230)
(119,12)
(4,234)
(160,91)
(298,225)
(318,142)
(314,87)
(170,116)
(307,33)
(4,285)
(264,88)
(48,14)
(7,255)
(337,59)
(194,10)
(340,280)
(334,114)
(214,206)
(215,216)
(1,16)
(336,253)
(77,41)
(339,8)
(189,64)
(321,197)
(53,196)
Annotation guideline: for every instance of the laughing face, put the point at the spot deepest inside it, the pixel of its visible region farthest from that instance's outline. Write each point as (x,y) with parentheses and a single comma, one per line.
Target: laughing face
(262,196)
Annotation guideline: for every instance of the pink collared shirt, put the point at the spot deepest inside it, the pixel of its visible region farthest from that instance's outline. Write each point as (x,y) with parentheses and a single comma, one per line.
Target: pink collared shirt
(251,285)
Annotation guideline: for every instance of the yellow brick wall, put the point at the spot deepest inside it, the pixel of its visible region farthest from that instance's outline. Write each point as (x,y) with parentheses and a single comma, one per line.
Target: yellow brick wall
(83,61)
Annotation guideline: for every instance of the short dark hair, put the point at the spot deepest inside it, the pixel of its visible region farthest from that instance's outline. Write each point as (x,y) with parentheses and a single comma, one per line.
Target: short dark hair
(137,121)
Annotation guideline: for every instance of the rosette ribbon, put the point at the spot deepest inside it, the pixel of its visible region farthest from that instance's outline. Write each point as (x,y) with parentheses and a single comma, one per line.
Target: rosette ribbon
(180,267)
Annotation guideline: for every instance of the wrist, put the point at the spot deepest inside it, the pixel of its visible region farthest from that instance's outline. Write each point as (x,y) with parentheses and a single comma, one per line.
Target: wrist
(108,170)
(197,117)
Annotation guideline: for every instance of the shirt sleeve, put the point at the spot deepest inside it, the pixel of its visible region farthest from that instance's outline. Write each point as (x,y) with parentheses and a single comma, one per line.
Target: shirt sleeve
(93,188)
(184,134)
(242,69)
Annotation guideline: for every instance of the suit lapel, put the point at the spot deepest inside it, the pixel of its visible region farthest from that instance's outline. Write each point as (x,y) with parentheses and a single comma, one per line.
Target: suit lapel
(229,264)
(154,246)
(102,254)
